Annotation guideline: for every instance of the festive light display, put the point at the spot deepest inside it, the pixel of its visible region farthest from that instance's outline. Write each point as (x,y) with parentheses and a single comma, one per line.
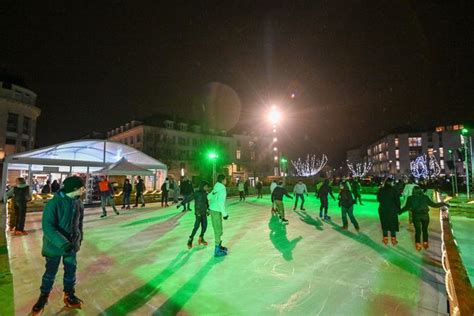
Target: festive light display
(310,166)
(360,169)
(425,167)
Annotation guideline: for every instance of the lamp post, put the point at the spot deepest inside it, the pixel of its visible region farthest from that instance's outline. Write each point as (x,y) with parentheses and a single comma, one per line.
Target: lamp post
(466,138)
(454,177)
(213,156)
(274,117)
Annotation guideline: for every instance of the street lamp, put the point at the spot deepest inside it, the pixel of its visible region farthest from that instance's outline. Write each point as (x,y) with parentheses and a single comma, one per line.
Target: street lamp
(213,156)
(466,138)
(274,117)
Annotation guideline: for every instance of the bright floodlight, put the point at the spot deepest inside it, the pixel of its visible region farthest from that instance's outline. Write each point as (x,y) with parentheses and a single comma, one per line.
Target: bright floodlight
(274,116)
(213,155)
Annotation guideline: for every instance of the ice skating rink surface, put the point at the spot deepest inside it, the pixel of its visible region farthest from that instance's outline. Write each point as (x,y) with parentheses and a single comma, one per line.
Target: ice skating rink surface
(137,263)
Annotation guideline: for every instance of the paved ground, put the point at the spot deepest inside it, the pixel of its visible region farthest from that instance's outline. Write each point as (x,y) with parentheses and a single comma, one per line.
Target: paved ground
(137,263)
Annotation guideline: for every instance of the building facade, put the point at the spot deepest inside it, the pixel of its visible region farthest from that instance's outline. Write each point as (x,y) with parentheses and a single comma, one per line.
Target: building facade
(18,116)
(394,153)
(181,145)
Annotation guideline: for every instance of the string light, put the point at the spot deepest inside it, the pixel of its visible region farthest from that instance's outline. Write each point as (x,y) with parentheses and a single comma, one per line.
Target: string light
(425,166)
(310,166)
(360,169)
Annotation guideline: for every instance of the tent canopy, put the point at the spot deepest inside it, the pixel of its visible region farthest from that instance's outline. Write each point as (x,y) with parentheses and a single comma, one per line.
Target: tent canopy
(124,168)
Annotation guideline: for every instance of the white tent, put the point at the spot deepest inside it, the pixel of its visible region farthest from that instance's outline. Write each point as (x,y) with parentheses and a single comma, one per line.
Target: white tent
(84,156)
(124,168)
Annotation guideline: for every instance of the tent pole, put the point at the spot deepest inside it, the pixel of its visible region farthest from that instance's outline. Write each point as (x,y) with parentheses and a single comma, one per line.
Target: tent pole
(88,193)
(105,149)
(154,180)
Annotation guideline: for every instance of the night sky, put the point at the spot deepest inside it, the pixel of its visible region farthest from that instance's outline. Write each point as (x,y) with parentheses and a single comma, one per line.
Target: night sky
(357,68)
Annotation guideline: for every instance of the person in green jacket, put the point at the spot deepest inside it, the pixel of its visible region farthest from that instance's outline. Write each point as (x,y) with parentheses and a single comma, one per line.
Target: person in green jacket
(62,236)
(418,204)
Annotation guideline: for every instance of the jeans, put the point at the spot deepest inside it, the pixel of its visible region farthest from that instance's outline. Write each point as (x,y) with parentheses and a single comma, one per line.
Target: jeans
(126,199)
(349,211)
(421,223)
(187,205)
(52,265)
(392,233)
(259,193)
(20,214)
(242,195)
(200,221)
(324,207)
(216,218)
(302,200)
(139,197)
(280,207)
(164,198)
(104,200)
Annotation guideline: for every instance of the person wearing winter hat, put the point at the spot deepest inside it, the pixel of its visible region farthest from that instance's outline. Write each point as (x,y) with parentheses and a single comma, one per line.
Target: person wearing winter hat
(62,236)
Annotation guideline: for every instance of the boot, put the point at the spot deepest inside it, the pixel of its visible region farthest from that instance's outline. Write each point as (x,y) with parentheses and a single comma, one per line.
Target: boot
(394,241)
(418,246)
(218,252)
(385,241)
(344,227)
(72,300)
(103,215)
(39,306)
(201,241)
(190,243)
(222,247)
(327,218)
(426,245)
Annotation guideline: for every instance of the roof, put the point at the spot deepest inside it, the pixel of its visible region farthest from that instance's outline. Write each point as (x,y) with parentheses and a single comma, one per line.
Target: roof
(90,152)
(124,168)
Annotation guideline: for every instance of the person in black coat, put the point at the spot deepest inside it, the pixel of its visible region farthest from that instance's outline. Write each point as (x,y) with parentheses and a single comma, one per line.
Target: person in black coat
(127,190)
(55,186)
(322,194)
(346,202)
(389,208)
(21,195)
(259,187)
(187,190)
(418,203)
(201,206)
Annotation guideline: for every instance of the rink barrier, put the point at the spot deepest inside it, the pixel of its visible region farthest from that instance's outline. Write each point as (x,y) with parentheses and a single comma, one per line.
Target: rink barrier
(448,240)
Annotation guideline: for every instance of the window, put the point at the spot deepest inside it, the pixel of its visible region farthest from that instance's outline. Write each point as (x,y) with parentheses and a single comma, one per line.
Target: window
(237,154)
(10,141)
(396,142)
(415,153)
(440,129)
(24,144)
(398,164)
(462,139)
(414,141)
(441,152)
(26,125)
(386,155)
(441,163)
(252,155)
(12,123)
(397,153)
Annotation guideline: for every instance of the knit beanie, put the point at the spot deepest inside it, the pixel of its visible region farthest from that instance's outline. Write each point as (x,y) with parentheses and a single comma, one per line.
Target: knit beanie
(72,184)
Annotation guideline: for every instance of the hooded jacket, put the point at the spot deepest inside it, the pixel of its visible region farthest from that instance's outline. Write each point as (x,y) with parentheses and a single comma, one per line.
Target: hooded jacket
(419,203)
(217,198)
(62,225)
(201,203)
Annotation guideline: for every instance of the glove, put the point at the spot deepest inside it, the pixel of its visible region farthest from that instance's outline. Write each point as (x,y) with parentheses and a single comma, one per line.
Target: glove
(225,217)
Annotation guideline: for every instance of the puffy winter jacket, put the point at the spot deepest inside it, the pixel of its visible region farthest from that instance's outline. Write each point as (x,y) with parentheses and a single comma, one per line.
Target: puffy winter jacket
(62,225)
(217,198)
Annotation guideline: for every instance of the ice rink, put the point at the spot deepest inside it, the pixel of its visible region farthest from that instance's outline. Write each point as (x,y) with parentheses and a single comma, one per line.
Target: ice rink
(137,263)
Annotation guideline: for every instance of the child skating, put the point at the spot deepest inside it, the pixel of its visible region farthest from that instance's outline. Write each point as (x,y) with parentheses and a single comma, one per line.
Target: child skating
(322,194)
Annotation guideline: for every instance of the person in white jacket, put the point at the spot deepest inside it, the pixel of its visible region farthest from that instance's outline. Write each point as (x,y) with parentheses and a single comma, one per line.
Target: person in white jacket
(299,191)
(216,200)
(273,185)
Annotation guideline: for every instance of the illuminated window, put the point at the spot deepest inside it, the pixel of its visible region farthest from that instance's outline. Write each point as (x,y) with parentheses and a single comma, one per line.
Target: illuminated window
(441,163)
(237,154)
(252,155)
(440,129)
(441,152)
(462,139)
(397,153)
(386,155)
(398,164)
(455,127)
(369,152)
(414,141)
(396,142)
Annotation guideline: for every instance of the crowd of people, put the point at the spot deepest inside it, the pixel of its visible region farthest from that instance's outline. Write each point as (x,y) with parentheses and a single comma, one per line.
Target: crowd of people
(62,220)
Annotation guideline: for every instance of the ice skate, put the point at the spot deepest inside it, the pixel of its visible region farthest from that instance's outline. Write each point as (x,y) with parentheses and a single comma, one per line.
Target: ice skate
(418,246)
(201,241)
(284,221)
(385,241)
(190,243)
(103,215)
(218,252)
(72,300)
(394,241)
(223,248)
(39,305)
(327,218)
(426,245)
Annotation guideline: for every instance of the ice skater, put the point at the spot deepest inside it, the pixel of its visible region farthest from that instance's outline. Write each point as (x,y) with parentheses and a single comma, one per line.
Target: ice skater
(218,212)
(106,196)
(21,195)
(241,188)
(127,190)
(165,188)
(418,204)
(299,191)
(139,189)
(201,206)
(322,194)
(346,202)
(259,187)
(356,190)
(62,236)
(187,190)
(389,208)
(406,193)
(273,185)
(277,197)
